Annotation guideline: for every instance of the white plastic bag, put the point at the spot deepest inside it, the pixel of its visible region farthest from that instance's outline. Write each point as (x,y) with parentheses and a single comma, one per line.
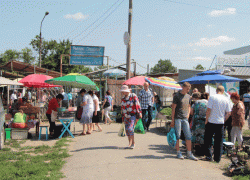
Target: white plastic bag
(54,116)
(122,131)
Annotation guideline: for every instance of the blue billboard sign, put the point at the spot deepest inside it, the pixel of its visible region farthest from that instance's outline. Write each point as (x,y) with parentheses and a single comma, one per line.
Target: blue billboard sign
(86,55)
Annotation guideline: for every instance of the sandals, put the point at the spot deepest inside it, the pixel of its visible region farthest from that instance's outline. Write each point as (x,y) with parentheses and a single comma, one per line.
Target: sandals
(82,134)
(88,132)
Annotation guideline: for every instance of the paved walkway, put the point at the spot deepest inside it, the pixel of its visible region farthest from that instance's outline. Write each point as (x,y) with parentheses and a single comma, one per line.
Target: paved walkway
(101,155)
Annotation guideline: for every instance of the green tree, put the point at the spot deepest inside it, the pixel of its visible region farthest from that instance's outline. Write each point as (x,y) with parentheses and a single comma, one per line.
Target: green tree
(27,56)
(9,55)
(163,66)
(199,67)
(51,54)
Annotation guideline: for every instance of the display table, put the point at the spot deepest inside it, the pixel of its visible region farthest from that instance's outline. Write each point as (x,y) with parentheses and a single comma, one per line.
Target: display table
(66,121)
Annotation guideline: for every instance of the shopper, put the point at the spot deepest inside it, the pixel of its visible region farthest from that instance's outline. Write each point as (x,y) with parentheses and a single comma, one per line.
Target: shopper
(65,102)
(246,100)
(130,106)
(218,111)
(87,112)
(238,119)
(180,115)
(107,106)
(97,114)
(53,105)
(146,98)
(198,110)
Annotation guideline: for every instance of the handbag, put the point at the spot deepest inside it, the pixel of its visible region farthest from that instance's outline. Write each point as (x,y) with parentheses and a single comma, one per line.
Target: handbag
(79,113)
(107,104)
(137,115)
(122,131)
(53,116)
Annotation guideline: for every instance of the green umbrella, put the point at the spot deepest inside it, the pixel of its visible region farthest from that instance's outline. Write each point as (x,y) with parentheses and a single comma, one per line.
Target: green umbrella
(75,81)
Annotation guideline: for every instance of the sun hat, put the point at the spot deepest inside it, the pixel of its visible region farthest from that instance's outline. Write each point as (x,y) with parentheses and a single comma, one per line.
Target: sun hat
(125,88)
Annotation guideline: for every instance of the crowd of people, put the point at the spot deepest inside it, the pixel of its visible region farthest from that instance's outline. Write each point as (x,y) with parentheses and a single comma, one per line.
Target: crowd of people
(203,120)
(199,120)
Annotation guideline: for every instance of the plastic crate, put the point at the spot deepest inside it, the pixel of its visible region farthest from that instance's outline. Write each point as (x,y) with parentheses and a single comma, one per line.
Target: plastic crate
(19,134)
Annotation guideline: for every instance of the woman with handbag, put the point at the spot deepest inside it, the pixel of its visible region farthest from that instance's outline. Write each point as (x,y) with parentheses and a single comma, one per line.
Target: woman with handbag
(131,113)
(107,106)
(97,113)
(53,105)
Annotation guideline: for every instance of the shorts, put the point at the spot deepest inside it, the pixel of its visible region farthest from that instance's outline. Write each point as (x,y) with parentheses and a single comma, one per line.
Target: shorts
(182,124)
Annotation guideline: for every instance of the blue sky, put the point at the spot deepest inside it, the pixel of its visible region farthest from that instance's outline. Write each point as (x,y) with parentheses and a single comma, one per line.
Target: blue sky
(187,32)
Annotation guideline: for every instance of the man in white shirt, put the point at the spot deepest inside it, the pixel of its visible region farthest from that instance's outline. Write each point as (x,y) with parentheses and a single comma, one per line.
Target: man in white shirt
(13,96)
(218,111)
(65,102)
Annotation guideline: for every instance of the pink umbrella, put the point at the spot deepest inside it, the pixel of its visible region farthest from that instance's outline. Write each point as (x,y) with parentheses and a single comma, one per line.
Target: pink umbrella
(37,81)
(138,80)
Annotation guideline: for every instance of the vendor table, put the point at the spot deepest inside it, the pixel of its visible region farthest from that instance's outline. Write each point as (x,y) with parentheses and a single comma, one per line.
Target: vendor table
(66,121)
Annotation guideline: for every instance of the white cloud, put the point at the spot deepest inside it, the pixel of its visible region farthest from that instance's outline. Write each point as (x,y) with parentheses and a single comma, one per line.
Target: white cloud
(228,11)
(201,59)
(77,16)
(213,41)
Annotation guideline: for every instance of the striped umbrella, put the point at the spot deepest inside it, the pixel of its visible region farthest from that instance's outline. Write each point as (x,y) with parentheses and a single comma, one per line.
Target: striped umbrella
(164,82)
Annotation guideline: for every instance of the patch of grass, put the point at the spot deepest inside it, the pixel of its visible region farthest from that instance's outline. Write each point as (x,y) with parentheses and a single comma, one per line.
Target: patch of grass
(167,111)
(6,149)
(46,165)
(241,177)
(246,132)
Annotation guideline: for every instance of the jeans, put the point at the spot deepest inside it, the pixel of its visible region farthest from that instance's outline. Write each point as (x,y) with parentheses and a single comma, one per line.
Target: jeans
(237,133)
(52,124)
(146,124)
(247,109)
(182,124)
(216,130)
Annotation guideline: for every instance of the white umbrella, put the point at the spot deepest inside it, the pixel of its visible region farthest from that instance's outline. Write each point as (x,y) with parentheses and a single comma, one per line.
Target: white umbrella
(5,81)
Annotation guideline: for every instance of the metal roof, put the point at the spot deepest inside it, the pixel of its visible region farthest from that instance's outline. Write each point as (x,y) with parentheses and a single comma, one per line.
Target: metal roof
(240,71)
(26,69)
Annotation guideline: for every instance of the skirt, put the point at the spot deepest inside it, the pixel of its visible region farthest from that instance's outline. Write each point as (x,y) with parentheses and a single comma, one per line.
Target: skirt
(97,118)
(87,116)
(129,125)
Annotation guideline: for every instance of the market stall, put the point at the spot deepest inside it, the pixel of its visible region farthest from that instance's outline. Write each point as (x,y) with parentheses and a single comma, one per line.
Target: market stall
(72,81)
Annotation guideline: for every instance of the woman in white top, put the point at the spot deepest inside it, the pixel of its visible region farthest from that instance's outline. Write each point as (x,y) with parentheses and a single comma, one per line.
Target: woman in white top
(97,113)
(87,112)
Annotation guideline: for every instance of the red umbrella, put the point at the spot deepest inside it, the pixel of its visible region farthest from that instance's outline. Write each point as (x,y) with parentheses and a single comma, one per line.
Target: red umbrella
(37,81)
(138,80)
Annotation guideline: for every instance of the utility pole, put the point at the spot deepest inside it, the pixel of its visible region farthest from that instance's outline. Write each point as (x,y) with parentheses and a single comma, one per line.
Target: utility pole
(129,41)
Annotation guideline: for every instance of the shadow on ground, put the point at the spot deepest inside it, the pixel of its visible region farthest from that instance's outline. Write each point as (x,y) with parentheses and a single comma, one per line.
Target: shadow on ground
(161,131)
(97,148)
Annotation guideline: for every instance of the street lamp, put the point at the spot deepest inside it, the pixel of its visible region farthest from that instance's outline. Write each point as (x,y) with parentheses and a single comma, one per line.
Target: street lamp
(40,50)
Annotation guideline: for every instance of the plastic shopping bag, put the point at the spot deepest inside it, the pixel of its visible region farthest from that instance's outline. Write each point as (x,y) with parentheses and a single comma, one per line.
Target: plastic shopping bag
(53,116)
(171,137)
(122,131)
(139,129)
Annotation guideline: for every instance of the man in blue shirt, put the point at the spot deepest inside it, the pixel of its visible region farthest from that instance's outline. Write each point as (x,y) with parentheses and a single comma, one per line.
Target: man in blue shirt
(246,100)
(146,98)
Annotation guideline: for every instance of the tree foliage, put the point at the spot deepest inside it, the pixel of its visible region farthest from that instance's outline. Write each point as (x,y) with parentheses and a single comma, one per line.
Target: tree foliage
(51,54)
(199,67)
(163,66)
(9,55)
(27,56)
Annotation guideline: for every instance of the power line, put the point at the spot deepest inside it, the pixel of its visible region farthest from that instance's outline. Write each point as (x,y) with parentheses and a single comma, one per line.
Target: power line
(196,5)
(95,20)
(92,23)
(102,21)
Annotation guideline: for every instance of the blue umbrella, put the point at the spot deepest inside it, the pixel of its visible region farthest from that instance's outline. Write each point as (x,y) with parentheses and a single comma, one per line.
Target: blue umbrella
(210,77)
(114,72)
